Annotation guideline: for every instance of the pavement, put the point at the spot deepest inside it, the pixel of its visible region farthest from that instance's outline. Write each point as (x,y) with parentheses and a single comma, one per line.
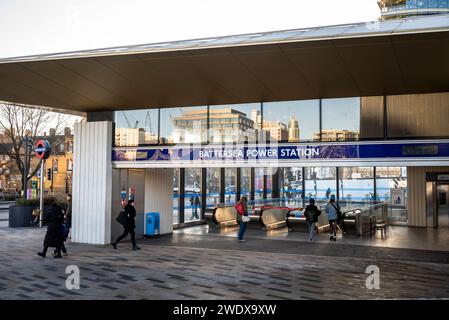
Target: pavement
(200,266)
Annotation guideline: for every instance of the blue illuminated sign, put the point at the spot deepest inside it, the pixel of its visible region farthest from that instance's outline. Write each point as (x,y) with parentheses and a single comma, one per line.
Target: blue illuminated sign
(285,152)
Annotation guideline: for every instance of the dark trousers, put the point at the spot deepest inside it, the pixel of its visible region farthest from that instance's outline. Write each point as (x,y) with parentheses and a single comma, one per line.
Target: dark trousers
(242,230)
(57,249)
(125,233)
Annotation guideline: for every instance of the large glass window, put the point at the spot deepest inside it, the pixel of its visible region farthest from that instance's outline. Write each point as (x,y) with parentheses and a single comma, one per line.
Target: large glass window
(234,123)
(356,185)
(258,184)
(340,119)
(136,127)
(320,183)
(213,187)
(230,185)
(290,185)
(184,125)
(391,186)
(192,194)
(292,121)
(245,182)
(176,196)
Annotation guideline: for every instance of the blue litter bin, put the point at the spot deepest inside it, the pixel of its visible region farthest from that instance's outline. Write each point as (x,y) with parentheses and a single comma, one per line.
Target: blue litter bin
(152,223)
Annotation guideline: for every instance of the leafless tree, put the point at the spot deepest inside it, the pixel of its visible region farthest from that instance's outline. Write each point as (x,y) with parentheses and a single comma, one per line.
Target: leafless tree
(18,123)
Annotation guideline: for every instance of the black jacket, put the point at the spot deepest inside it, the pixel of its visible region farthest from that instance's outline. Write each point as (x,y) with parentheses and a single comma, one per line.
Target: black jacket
(312,217)
(131,211)
(55,232)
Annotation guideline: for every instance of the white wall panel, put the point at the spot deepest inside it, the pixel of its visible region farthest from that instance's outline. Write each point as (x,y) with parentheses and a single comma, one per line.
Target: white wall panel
(92,182)
(159,196)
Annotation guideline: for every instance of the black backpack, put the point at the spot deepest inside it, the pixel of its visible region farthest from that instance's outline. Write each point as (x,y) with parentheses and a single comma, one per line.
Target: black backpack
(122,218)
(310,215)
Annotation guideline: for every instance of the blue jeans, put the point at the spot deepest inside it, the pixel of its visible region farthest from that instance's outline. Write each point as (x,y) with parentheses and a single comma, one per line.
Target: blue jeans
(242,230)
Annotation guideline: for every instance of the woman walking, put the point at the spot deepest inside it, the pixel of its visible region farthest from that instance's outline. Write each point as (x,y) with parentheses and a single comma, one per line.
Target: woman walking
(55,232)
(333,211)
(242,217)
(129,226)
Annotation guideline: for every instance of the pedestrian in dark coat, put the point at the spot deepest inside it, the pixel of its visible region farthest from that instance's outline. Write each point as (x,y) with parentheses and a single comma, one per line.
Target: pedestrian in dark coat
(129,226)
(54,236)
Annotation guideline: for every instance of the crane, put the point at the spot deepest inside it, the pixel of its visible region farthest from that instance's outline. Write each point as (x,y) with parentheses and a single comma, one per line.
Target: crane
(127,120)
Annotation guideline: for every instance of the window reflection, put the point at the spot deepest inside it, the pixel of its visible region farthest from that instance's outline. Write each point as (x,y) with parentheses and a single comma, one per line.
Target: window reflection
(230,185)
(320,183)
(213,187)
(192,196)
(136,127)
(290,185)
(234,123)
(391,185)
(184,125)
(176,196)
(340,120)
(245,183)
(356,185)
(292,121)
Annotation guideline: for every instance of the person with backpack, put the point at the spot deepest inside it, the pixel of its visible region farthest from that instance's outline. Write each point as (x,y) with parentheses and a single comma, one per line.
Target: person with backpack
(129,224)
(312,213)
(242,217)
(334,215)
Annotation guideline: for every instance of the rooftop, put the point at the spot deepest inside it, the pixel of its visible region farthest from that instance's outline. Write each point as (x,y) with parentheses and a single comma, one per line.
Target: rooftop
(405,56)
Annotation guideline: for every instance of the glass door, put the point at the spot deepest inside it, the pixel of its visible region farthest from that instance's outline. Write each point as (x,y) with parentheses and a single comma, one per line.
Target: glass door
(443,205)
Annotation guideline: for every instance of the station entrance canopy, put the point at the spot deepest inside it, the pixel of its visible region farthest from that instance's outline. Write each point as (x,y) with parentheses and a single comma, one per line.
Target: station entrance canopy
(363,59)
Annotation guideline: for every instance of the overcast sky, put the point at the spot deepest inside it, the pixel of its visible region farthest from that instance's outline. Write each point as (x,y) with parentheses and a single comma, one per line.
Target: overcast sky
(29,27)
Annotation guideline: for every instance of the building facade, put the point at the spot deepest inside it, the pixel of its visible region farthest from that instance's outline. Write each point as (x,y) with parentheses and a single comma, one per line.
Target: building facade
(280,117)
(394,9)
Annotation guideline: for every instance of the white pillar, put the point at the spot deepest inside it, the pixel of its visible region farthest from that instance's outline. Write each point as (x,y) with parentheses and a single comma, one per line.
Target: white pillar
(159,196)
(92,182)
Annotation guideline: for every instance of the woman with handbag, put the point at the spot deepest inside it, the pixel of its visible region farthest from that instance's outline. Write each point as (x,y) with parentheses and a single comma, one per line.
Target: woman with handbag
(242,217)
(334,214)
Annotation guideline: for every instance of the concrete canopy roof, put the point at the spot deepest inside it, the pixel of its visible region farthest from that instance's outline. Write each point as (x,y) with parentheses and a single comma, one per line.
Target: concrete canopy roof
(363,59)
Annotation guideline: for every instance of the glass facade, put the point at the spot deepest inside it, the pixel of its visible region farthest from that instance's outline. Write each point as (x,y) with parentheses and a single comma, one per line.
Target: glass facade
(325,120)
(136,127)
(391,186)
(340,120)
(176,196)
(212,187)
(320,183)
(192,194)
(245,182)
(354,187)
(230,191)
(234,123)
(291,185)
(184,125)
(292,121)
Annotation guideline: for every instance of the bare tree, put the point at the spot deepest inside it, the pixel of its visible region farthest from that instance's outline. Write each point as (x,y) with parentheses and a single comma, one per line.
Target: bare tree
(21,123)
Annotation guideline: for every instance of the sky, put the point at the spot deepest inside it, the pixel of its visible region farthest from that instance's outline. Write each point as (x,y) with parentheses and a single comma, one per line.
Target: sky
(30,27)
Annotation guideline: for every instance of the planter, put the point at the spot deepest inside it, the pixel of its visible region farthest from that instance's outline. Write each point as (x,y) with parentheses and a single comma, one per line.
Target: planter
(20,216)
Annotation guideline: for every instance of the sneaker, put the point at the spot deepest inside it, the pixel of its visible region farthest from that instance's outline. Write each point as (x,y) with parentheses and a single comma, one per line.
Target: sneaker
(114,245)
(242,240)
(136,248)
(335,238)
(40,254)
(331,238)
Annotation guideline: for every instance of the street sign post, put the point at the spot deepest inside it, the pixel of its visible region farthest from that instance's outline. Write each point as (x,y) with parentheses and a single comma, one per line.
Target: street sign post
(43,150)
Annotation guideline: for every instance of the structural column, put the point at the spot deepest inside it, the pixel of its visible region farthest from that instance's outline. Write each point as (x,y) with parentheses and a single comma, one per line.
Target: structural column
(92,182)
(159,196)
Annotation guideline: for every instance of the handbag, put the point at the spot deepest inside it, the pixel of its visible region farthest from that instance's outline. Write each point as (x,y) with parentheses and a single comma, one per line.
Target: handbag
(239,208)
(246,218)
(122,218)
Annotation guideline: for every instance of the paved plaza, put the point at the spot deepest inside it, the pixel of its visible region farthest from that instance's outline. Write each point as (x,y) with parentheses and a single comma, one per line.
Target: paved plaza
(191,265)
